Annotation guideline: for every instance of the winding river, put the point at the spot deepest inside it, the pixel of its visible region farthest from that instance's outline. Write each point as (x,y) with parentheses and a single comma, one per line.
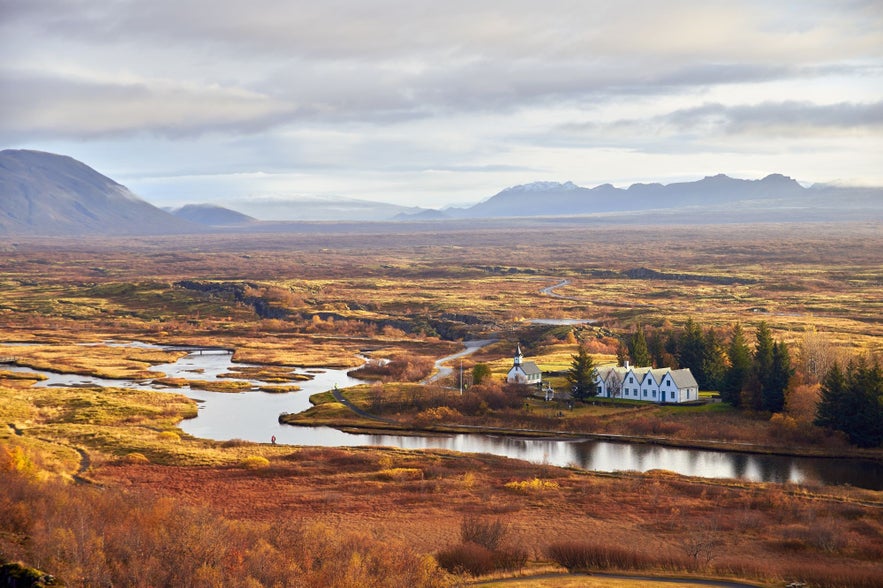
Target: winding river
(253,416)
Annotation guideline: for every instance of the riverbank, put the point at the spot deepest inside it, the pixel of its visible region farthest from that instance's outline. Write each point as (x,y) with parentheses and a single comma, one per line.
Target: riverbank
(338,411)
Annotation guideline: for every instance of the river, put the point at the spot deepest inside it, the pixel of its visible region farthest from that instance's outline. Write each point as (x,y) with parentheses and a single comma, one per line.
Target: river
(253,415)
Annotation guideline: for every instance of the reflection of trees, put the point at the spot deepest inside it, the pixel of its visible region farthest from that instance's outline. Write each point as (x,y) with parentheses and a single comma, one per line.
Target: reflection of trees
(583,453)
(740,464)
(855,472)
(612,456)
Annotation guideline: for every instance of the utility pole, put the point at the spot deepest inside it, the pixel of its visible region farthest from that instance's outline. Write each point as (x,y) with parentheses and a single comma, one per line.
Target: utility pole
(461,377)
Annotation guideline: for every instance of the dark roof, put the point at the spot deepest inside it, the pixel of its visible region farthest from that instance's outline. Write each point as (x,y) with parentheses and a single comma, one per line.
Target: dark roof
(530,368)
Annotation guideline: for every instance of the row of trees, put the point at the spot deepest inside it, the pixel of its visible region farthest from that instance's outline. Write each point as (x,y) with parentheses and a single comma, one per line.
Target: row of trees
(852,402)
(749,377)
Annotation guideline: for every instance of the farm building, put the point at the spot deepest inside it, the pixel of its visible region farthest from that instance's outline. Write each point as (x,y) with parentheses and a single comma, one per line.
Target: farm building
(646,384)
(524,372)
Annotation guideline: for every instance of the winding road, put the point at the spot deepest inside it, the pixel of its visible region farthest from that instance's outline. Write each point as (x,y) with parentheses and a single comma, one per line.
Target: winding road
(444,371)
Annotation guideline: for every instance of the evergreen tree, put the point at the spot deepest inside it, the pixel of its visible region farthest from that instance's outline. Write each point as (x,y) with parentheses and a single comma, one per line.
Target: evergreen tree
(691,352)
(763,364)
(831,409)
(853,403)
(580,376)
(773,394)
(656,347)
(714,364)
(736,376)
(639,352)
(672,351)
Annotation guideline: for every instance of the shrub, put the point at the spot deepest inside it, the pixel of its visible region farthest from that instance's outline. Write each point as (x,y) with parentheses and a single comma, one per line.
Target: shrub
(436,415)
(575,555)
(487,533)
(468,558)
(535,485)
(170,436)
(136,458)
(254,462)
(400,474)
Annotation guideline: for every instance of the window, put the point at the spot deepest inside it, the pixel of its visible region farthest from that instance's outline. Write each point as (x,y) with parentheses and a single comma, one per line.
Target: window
(631,380)
(654,394)
(672,395)
(645,394)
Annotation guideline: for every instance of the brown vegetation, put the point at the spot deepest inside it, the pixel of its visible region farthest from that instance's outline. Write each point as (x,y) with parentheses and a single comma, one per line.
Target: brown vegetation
(179,511)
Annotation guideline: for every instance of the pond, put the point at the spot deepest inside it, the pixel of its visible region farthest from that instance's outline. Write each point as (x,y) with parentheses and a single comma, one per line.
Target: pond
(253,416)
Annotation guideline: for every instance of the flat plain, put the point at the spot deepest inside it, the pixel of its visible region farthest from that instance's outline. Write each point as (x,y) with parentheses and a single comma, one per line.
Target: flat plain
(333,294)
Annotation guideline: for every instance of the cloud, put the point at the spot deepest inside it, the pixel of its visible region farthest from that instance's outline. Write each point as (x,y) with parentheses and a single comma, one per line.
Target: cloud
(776,118)
(431,92)
(35,105)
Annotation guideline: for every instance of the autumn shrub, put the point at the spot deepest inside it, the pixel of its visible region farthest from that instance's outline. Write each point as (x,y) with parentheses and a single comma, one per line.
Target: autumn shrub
(432,416)
(170,436)
(136,458)
(254,462)
(400,368)
(534,485)
(400,474)
(485,532)
(105,537)
(467,558)
(477,560)
(583,556)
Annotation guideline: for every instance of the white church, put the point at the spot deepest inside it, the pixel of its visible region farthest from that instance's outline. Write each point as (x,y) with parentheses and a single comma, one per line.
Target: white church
(524,372)
(646,384)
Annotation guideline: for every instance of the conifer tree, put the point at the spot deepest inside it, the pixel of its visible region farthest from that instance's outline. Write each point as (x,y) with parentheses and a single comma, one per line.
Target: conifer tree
(763,363)
(714,365)
(639,352)
(852,402)
(773,393)
(739,371)
(691,351)
(580,376)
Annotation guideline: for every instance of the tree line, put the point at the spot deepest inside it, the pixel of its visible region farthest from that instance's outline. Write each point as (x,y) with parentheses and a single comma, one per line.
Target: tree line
(756,375)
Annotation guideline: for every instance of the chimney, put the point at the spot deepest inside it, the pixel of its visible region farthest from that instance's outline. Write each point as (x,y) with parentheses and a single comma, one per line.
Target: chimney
(626,364)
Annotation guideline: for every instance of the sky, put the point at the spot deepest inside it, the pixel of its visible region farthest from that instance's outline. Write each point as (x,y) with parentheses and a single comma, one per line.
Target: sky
(430,103)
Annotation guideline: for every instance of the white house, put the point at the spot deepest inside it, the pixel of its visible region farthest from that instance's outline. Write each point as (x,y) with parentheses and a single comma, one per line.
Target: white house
(524,372)
(646,384)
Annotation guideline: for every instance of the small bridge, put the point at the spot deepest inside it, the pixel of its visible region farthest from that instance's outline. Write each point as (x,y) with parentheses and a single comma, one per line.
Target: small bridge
(194,350)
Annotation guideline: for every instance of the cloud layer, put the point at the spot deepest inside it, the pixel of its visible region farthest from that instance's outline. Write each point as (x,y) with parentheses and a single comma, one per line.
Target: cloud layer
(434,102)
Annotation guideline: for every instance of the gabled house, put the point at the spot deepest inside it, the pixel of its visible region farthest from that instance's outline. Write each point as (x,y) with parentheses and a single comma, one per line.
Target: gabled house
(524,372)
(646,384)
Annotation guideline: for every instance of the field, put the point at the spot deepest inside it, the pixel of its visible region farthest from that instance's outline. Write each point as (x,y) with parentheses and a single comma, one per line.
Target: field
(334,296)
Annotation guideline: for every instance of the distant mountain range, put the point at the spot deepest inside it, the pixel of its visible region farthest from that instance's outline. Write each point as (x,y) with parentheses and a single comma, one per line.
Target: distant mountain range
(47,194)
(717,198)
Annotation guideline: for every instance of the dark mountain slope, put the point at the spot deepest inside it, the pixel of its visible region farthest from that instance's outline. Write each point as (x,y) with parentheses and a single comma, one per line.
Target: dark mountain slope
(46,194)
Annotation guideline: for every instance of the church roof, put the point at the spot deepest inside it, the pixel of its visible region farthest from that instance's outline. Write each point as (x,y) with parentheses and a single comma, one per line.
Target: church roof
(530,368)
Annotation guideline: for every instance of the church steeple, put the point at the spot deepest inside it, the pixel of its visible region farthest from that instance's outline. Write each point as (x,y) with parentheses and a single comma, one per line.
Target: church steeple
(518,354)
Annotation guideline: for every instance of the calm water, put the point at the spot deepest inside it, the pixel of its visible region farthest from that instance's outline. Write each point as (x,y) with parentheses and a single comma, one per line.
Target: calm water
(253,416)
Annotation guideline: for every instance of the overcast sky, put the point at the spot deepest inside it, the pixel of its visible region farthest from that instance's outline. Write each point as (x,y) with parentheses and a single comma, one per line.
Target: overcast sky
(435,102)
